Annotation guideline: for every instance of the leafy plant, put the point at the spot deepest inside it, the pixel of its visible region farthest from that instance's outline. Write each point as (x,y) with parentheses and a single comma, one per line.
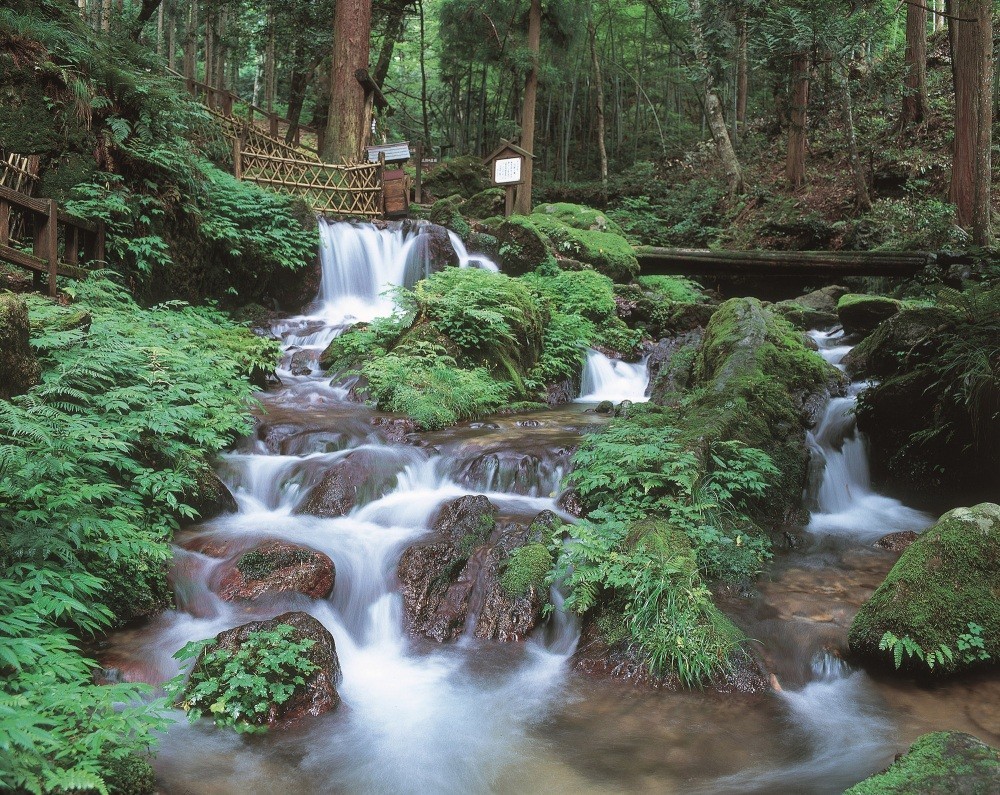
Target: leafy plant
(239,688)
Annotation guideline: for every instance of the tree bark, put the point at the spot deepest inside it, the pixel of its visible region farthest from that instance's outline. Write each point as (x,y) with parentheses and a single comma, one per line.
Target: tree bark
(742,78)
(394,27)
(713,107)
(425,117)
(270,69)
(106,8)
(916,105)
(795,161)
(599,109)
(522,198)
(861,198)
(191,41)
(972,66)
(348,124)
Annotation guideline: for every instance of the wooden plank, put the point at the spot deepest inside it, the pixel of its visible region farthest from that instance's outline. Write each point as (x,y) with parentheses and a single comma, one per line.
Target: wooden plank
(23,259)
(38,206)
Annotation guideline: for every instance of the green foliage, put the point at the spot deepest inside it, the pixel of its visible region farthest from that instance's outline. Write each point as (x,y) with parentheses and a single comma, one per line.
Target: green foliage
(526,567)
(95,463)
(605,252)
(687,214)
(970,645)
(238,688)
(910,224)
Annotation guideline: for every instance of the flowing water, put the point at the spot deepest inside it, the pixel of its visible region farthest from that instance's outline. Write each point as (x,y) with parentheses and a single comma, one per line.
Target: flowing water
(473,716)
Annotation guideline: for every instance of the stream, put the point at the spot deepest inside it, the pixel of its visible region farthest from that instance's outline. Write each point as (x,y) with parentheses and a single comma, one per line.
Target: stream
(475,716)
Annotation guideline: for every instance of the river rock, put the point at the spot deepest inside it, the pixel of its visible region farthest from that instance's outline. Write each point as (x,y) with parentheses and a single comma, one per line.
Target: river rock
(669,367)
(896,542)
(19,370)
(570,502)
(817,309)
(350,481)
(318,694)
(940,763)
(562,393)
(522,247)
(605,407)
(301,363)
(860,314)
(902,341)
(210,496)
(437,577)
(945,580)
(432,250)
(277,567)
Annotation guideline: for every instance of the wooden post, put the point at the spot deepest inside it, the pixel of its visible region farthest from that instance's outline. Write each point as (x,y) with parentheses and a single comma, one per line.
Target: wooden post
(46,243)
(72,244)
(98,254)
(419,183)
(381,178)
(508,206)
(273,120)
(238,157)
(4,223)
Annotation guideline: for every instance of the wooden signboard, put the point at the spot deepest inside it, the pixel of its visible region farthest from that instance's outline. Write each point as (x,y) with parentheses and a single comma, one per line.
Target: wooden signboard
(507,170)
(396,191)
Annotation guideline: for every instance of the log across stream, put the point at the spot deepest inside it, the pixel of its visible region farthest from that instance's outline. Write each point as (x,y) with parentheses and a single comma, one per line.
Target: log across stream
(476,716)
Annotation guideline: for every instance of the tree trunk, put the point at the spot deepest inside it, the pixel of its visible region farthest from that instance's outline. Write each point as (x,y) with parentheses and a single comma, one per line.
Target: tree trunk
(191,41)
(270,70)
(301,78)
(972,66)
(713,108)
(394,27)
(915,102)
(106,7)
(599,109)
(348,124)
(795,161)
(522,198)
(861,198)
(423,80)
(742,78)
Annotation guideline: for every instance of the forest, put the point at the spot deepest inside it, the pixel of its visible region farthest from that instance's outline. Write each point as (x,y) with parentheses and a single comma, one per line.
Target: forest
(671,465)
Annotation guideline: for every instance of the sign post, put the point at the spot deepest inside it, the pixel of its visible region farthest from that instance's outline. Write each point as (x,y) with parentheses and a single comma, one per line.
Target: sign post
(507,169)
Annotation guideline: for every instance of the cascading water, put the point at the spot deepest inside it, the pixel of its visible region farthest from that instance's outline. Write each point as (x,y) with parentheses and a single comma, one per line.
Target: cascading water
(612,379)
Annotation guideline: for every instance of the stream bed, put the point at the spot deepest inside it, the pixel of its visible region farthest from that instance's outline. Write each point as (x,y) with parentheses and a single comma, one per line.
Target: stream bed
(475,716)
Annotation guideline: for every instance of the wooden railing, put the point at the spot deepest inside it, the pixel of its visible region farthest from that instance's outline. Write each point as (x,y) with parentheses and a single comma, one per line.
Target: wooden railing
(59,241)
(18,172)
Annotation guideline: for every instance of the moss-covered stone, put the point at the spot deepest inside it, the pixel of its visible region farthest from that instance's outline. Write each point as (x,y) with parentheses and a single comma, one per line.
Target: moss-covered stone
(804,317)
(527,566)
(485,204)
(860,314)
(755,379)
(522,248)
(579,217)
(447,212)
(904,339)
(606,252)
(943,581)
(465,176)
(940,763)
(19,370)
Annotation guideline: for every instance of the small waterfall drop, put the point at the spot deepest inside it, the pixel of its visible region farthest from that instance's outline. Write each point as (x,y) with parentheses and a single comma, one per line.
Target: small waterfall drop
(843,500)
(612,379)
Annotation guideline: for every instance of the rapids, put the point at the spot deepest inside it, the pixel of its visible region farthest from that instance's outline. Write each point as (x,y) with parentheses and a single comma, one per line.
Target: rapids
(473,716)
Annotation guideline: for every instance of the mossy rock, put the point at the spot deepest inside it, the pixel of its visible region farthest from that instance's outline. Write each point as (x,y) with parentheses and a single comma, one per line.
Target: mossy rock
(342,352)
(579,217)
(860,314)
(605,252)
(526,566)
(66,173)
(465,176)
(485,204)
(19,369)
(905,339)
(421,337)
(944,580)
(522,248)
(804,317)
(447,213)
(940,763)
(484,243)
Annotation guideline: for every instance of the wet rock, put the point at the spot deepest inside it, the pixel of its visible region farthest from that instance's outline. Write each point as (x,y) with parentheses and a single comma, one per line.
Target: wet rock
(896,542)
(941,762)
(350,481)
(562,393)
(804,318)
(945,580)
(318,693)
(295,290)
(570,502)
(437,577)
(860,314)
(19,370)
(522,247)
(512,586)
(301,363)
(432,250)
(395,429)
(277,567)
(211,497)
(901,342)
(507,470)
(605,407)
(823,300)
(669,366)
(623,408)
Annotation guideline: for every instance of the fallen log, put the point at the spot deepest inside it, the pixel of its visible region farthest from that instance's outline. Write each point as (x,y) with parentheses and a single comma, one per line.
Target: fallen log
(668,261)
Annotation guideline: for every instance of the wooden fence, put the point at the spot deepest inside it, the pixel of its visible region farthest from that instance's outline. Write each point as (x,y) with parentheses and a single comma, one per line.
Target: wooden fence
(59,242)
(18,172)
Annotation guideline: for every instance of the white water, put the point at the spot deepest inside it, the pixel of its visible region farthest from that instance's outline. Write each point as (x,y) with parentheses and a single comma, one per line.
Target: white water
(845,503)
(612,379)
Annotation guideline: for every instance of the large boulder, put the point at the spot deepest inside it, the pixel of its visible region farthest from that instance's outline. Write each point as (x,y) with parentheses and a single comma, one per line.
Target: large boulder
(277,567)
(19,370)
(465,176)
(485,204)
(352,480)
(605,252)
(437,576)
(669,365)
(448,213)
(314,695)
(210,497)
(902,340)
(860,314)
(433,251)
(941,588)
(579,217)
(522,248)
(940,763)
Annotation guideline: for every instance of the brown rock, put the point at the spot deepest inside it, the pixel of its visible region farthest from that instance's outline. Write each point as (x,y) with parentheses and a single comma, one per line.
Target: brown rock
(211,497)
(896,542)
(351,480)
(277,567)
(503,616)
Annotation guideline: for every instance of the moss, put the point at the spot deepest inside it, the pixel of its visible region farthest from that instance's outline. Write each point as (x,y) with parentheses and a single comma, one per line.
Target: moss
(579,217)
(485,204)
(447,213)
(522,247)
(526,568)
(940,762)
(65,174)
(257,565)
(944,580)
(19,370)
(605,252)
(674,288)
(465,176)
(860,314)
(135,586)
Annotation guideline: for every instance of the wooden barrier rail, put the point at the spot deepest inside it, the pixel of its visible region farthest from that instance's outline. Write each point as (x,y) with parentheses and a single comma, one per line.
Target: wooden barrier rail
(41,219)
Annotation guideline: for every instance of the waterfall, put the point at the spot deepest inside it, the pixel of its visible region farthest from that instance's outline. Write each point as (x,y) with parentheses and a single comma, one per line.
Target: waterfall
(843,500)
(612,379)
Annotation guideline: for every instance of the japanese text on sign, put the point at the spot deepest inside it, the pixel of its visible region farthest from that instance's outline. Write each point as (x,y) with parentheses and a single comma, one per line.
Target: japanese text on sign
(507,170)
